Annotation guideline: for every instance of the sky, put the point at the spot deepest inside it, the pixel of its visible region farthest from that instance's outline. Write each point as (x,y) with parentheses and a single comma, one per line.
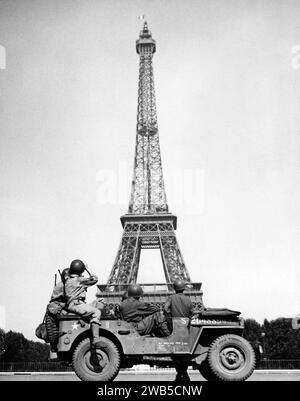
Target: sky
(227,79)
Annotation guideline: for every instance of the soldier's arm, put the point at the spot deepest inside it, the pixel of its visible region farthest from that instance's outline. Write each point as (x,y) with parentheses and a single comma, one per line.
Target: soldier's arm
(167,306)
(145,309)
(88,281)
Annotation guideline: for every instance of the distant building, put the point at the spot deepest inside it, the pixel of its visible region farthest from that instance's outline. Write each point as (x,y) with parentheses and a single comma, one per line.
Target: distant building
(2,317)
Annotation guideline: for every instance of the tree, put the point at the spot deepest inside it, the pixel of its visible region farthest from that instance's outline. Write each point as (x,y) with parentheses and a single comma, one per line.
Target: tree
(15,347)
(281,340)
(252,333)
(37,352)
(19,349)
(2,339)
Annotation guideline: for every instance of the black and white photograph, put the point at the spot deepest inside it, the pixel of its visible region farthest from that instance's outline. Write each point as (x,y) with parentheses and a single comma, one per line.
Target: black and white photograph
(149,195)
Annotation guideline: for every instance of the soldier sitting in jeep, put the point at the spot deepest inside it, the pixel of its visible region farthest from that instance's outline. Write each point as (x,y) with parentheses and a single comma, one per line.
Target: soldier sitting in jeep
(179,304)
(76,288)
(146,318)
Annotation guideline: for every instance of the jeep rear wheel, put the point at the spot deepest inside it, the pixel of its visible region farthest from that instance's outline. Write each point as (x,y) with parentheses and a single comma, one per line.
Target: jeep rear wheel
(96,364)
(230,358)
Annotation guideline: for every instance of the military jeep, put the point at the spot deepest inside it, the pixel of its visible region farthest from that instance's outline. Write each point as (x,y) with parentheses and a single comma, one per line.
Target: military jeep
(210,342)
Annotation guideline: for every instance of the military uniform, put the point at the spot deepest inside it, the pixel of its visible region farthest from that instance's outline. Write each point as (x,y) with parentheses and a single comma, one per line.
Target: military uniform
(146,317)
(58,293)
(55,307)
(58,299)
(179,305)
(76,289)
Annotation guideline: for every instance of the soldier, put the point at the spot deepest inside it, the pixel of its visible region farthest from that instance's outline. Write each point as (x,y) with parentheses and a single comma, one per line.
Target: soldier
(146,317)
(179,305)
(58,297)
(76,289)
(55,307)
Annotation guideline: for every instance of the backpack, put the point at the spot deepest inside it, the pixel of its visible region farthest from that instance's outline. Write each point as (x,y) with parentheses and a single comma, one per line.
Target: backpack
(41,331)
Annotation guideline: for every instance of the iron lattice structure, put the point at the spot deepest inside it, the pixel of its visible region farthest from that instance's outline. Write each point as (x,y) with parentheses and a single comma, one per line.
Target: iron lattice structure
(148,223)
(148,192)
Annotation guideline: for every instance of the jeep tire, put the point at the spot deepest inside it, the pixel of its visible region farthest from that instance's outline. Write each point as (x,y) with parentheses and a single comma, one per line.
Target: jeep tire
(96,364)
(230,358)
(205,371)
(52,330)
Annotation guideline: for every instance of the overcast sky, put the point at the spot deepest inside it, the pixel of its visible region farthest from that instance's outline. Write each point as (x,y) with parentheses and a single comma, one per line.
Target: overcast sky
(227,85)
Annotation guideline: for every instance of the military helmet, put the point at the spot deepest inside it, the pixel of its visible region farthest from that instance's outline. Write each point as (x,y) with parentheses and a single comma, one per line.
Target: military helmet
(64,274)
(77,267)
(135,290)
(179,285)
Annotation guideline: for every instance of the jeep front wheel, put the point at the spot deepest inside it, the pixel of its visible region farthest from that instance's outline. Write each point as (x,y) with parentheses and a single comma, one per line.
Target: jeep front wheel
(230,358)
(96,364)
(205,371)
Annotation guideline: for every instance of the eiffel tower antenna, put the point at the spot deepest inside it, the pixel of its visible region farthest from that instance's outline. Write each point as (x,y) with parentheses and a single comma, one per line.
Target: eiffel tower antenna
(148,223)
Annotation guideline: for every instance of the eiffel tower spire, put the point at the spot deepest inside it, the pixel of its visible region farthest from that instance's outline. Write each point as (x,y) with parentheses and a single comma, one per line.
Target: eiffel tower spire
(148,223)
(148,190)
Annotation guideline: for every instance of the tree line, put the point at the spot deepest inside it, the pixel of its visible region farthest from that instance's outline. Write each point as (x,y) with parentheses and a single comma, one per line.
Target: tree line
(14,347)
(275,339)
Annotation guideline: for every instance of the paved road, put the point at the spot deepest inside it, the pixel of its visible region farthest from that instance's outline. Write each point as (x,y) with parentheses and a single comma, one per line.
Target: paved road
(270,375)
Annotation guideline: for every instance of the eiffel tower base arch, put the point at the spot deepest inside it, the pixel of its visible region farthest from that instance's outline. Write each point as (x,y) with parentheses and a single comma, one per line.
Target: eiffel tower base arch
(146,231)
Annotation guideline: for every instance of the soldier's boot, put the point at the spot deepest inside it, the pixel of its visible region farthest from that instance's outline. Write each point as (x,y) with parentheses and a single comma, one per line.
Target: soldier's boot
(185,377)
(96,340)
(181,371)
(182,377)
(178,378)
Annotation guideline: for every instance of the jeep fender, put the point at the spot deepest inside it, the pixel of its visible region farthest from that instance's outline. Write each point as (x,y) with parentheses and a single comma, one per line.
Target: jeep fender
(205,335)
(73,332)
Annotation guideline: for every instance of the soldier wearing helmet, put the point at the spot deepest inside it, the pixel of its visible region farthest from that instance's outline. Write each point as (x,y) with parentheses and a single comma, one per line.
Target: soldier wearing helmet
(76,289)
(58,303)
(179,305)
(146,317)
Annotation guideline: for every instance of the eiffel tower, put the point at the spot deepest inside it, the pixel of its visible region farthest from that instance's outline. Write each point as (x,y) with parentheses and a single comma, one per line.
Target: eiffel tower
(148,223)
